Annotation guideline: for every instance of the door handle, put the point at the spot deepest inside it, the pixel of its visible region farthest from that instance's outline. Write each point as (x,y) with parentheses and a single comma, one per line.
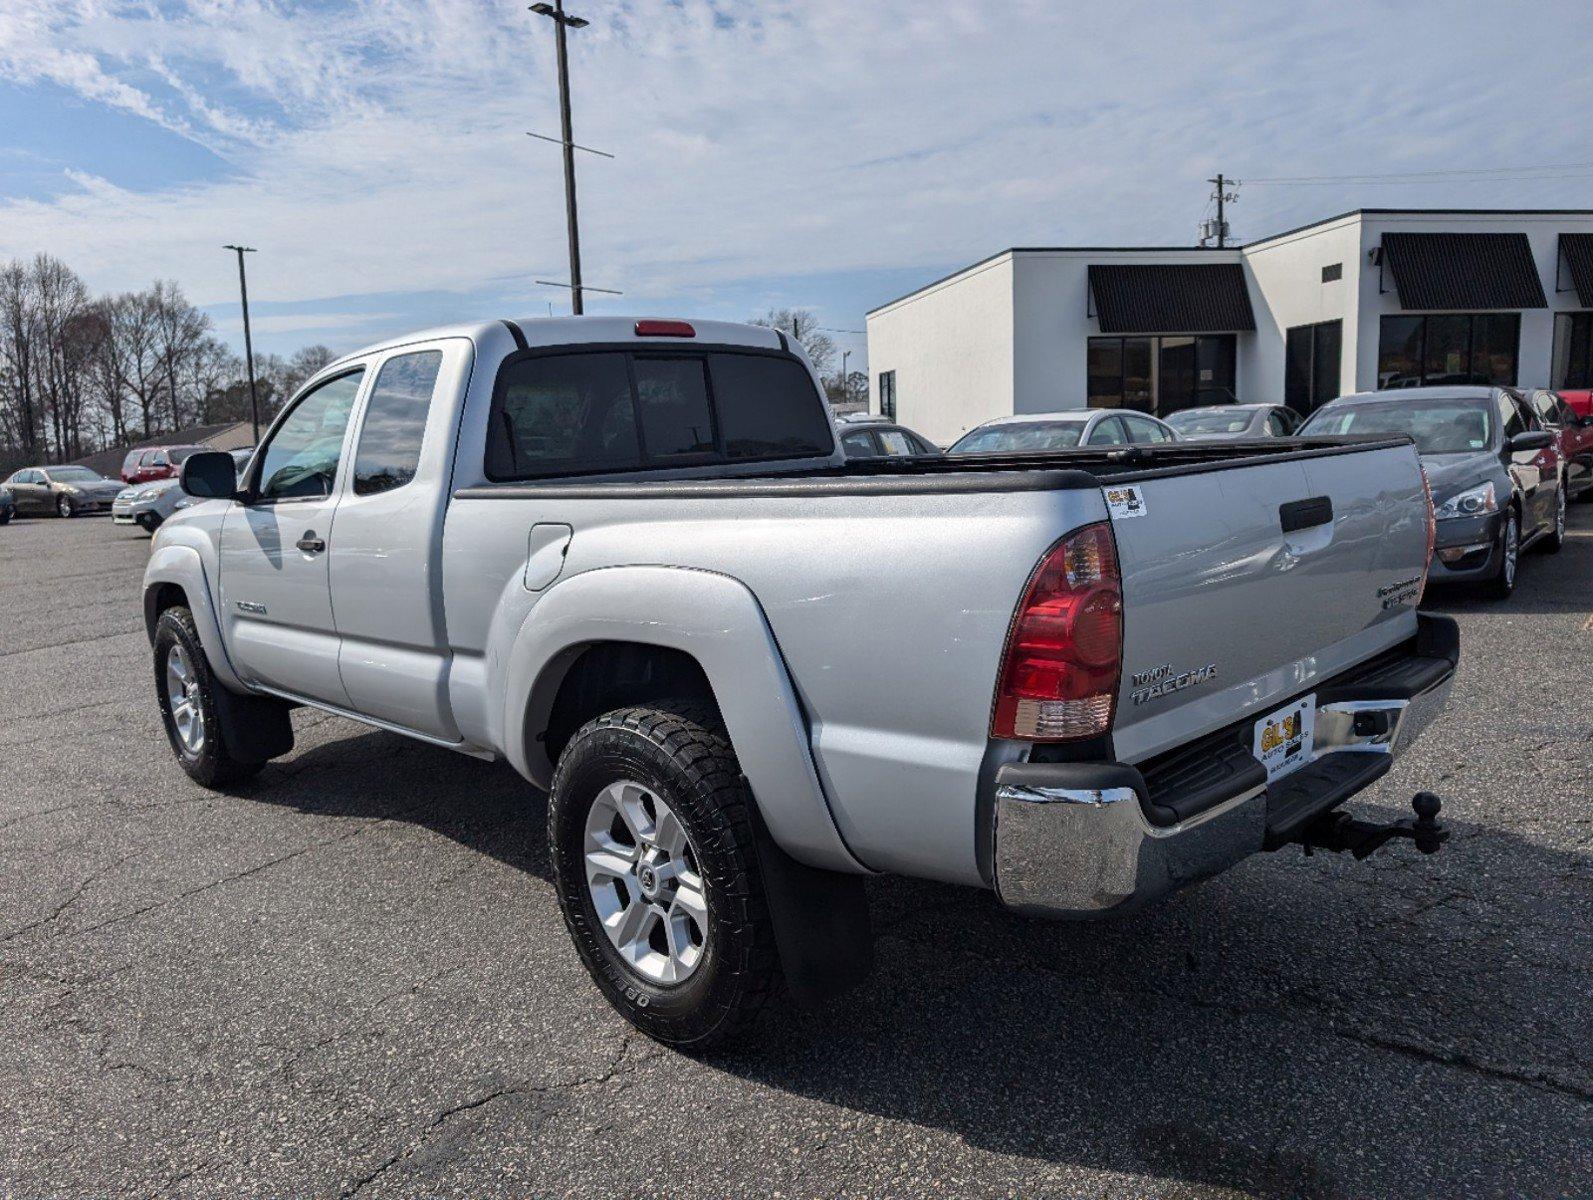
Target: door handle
(309,543)
(1305,514)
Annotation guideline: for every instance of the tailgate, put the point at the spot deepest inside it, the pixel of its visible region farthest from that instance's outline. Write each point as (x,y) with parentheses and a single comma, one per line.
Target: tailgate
(1242,584)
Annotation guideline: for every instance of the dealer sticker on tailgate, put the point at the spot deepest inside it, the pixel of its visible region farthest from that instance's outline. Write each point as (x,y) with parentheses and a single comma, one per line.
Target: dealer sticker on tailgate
(1284,738)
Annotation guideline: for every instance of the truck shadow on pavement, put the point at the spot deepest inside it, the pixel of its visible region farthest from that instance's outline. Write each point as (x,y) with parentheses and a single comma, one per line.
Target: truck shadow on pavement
(1299,1027)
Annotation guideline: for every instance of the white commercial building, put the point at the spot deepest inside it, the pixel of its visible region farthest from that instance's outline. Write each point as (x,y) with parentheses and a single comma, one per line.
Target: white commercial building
(1372,298)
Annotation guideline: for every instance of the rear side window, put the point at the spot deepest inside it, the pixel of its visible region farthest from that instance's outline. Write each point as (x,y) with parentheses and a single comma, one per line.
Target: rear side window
(859,445)
(768,407)
(395,421)
(603,411)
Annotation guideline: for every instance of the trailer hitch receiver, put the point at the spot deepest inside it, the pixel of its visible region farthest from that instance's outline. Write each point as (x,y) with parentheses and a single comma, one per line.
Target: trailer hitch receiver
(1339,831)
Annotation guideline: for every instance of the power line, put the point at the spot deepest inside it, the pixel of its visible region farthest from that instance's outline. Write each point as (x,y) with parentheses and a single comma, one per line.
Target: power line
(1484,173)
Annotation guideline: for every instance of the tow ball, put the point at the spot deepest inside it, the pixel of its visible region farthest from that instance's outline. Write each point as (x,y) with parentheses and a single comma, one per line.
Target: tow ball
(1339,832)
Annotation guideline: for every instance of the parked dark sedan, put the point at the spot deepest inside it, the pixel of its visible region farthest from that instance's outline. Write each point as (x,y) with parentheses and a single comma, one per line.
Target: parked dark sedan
(1498,482)
(1234,421)
(64,491)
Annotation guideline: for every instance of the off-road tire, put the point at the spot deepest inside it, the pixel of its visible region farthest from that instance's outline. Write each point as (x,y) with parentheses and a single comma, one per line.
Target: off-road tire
(679,749)
(214,765)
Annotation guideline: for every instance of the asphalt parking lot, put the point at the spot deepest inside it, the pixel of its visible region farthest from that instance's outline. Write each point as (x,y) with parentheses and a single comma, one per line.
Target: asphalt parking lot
(351,978)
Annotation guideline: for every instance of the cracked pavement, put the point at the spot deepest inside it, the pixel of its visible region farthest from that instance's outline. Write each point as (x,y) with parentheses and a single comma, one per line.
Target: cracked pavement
(349,976)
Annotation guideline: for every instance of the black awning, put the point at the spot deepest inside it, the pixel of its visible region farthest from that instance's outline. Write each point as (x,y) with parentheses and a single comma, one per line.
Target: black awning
(1463,270)
(1172,298)
(1578,251)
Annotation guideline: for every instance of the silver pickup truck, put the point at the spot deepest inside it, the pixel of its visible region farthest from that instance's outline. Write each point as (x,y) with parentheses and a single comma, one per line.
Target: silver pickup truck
(629,558)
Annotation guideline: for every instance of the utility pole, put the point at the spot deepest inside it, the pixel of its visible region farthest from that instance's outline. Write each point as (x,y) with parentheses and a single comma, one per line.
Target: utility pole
(846,393)
(248,344)
(561,22)
(1221,194)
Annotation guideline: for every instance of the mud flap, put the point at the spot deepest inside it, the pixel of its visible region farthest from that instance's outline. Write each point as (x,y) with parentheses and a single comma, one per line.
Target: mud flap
(254,728)
(821,923)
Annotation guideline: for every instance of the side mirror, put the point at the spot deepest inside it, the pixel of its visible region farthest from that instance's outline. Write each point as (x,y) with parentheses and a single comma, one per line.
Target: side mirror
(209,475)
(1532,439)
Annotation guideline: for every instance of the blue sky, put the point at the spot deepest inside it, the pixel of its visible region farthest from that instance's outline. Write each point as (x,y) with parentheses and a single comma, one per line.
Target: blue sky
(828,154)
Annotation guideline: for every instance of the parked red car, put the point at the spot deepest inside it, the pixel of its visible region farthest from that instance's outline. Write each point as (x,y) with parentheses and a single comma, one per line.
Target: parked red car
(1573,437)
(155,462)
(1580,400)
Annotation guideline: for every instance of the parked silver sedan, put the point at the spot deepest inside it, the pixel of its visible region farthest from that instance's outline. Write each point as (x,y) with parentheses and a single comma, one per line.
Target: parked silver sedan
(64,491)
(147,505)
(1037,433)
(1235,421)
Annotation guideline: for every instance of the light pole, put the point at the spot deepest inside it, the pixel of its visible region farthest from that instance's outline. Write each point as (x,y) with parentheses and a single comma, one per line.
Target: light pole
(561,22)
(846,392)
(248,344)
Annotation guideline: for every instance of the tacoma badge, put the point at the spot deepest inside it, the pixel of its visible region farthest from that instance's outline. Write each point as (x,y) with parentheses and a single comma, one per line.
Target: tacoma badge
(1163,681)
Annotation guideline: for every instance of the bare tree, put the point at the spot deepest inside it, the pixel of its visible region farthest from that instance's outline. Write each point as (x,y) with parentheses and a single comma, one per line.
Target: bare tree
(803,327)
(78,374)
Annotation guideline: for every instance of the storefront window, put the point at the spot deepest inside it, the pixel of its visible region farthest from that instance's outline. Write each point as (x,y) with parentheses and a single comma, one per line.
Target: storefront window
(1106,372)
(1573,350)
(1161,374)
(1448,351)
(1448,348)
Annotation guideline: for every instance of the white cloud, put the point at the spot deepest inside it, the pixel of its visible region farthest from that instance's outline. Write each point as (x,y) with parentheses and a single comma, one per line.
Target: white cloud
(379,147)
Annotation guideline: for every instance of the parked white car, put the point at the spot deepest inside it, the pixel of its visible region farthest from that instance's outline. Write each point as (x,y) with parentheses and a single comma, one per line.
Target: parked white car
(1039,433)
(148,505)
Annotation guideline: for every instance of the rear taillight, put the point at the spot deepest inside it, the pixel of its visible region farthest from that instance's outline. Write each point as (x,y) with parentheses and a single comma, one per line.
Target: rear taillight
(1432,525)
(1064,652)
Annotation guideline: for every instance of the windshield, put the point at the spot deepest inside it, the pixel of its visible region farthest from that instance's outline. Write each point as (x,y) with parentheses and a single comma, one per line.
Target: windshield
(178,453)
(1436,426)
(75,475)
(1205,424)
(1019,438)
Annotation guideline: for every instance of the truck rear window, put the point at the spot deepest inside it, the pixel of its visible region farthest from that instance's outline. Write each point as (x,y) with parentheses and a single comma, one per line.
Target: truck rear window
(586,412)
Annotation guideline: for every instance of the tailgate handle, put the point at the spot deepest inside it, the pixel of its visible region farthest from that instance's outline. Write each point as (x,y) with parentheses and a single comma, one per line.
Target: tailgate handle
(1306,514)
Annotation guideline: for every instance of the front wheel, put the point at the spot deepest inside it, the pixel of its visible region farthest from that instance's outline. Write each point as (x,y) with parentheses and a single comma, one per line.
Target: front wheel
(1503,582)
(656,870)
(1556,538)
(64,507)
(188,706)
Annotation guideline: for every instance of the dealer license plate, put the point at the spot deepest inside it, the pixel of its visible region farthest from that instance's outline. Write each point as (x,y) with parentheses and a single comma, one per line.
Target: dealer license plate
(1283,739)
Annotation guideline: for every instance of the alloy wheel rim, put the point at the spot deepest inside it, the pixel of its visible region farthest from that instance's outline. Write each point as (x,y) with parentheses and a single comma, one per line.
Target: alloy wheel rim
(182,695)
(644,883)
(1512,546)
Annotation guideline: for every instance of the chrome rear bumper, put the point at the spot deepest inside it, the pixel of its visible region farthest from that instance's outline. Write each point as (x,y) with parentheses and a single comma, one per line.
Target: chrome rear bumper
(1072,840)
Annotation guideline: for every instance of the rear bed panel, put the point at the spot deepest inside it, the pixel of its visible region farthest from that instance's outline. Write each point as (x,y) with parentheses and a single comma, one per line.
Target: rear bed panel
(1225,613)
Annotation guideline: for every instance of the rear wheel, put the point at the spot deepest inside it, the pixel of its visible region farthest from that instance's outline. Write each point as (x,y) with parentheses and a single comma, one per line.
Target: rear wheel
(64,507)
(188,708)
(1503,582)
(657,874)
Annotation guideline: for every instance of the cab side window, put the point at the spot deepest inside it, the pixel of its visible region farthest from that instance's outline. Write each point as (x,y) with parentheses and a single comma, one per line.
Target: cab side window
(395,422)
(301,458)
(1109,432)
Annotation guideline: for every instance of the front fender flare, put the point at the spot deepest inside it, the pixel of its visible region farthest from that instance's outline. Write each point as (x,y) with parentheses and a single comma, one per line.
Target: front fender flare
(182,565)
(718,621)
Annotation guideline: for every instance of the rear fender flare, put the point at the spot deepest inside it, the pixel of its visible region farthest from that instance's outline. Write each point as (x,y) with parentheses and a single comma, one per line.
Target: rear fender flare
(717,621)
